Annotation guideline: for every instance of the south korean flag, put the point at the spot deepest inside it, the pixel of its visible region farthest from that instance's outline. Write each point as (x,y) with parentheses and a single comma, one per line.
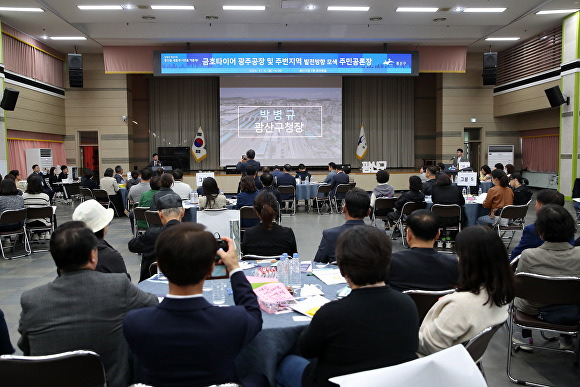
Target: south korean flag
(198,148)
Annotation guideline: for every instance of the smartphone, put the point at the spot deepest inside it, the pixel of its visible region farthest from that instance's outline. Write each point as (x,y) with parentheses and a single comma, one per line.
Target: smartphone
(220,271)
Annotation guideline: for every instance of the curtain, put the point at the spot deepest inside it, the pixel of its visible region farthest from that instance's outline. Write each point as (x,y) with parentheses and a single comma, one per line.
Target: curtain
(540,153)
(17,151)
(178,106)
(385,106)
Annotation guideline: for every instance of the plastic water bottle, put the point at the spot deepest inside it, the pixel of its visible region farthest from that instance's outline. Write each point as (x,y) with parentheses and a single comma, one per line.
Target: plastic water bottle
(283,269)
(295,275)
(195,198)
(464,192)
(219,291)
(479,191)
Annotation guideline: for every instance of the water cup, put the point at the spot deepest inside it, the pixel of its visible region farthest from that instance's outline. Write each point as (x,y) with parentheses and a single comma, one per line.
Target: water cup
(219,291)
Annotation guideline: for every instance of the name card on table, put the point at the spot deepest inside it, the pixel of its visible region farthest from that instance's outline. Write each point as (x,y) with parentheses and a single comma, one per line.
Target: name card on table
(273,292)
(464,164)
(467,179)
(373,166)
(202,175)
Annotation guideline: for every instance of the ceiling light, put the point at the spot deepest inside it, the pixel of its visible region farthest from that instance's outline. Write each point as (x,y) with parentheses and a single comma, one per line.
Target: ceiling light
(502,39)
(21,9)
(99,7)
(417,9)
(556,11)
(458,9)
(128,6)
(244,7)
(310,7)
(481,10)
(353,9)
(68,38)
(173,7)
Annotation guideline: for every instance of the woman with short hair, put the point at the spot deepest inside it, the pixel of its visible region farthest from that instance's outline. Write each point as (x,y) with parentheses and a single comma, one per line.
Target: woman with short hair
(482,297)
(498,196)
(485,173)
(522,193)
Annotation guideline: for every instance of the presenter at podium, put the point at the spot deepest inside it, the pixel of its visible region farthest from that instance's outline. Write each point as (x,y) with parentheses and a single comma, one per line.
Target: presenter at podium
(459,158)
(155,162)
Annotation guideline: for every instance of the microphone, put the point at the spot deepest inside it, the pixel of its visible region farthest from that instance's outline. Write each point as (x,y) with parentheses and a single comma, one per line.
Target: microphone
(451,159)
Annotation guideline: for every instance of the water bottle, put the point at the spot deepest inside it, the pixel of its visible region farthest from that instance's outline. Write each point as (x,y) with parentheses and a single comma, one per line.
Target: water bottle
(219,291)
(479,191)
(195,198)
(283,269)
(464,192)
(295,275)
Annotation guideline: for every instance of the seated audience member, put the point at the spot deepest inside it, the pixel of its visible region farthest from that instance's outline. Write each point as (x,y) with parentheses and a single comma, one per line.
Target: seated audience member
(136,190)
(331,173)
(286,179)
(87,180)
(253,173)
(35,197)
(265,169)
(147,197)
(109,184)
(356,208)
(268,238)
(165,184)
(354,334)
(498,196)
(97,218)
(442,169)
(445,193)
(268,182)
(276,172)
(522,193)
(134,180)
(45,187)
(530,237)
(9,200)
(193,343)
(246,197)
(10,176)
(179,187)
(498,166)
(6,347)
(485,288)
(347,170)
(247,161)
(383,189)
(212,198)
(53,177)
(83,308)
(414,194)
(510,169)
(119,175)
(302,174)
(485,173)
(431,174)
(339,178)
(555,258)
(423,174)
(170,210)
(18,180)
(63,175)
(159,171)
(422,267)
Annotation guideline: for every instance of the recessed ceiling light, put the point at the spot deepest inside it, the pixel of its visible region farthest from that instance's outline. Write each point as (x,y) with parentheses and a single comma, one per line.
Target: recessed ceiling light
(417,9)
(310,7)
(556,11)
(148,17)
(503,39)
(482,10)
(173,7)
(211,17)
(352,9)
(376,18)
(244,7)
(99,7)
(439,19)
(68,38)
(21,9)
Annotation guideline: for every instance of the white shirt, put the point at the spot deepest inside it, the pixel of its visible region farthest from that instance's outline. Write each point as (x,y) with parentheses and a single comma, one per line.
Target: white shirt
(182,189)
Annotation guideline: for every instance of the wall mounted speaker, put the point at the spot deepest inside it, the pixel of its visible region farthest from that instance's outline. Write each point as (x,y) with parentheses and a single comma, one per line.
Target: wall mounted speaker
(555,96)
(489,60)
(9,99)
(75,70)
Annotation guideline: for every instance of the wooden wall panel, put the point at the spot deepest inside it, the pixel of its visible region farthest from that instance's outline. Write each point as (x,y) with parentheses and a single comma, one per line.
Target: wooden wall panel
(526,100)
(36,112)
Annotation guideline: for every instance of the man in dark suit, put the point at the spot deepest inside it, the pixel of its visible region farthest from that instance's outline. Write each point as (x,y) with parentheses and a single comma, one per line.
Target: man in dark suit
(356,208)
(247,161)
(155,162)
(429,185)
(185,340)
(459,158)
(267,182)
(83,308)
(339,178)
(422,267)
(286,179)
(170,210)
(45,187)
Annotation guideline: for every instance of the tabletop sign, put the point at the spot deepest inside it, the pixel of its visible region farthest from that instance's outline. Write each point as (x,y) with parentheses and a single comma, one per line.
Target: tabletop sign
(467,179)
(273,292)
(202,175)
(464,164)
(373,166)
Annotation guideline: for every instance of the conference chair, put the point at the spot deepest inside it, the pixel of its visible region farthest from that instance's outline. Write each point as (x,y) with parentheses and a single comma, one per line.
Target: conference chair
(68,369)
(339,194)
(514,219)
(139,214)
(450,215)
(407,209)
(73,190)
(153,219)
(321,198)
(247,212)
(543,290)
(288,190)
(11,217)
(102,197)
(384,205)
(46,212)
(85,194)
(352,184)
(477,345)
(425,299)
(153,268)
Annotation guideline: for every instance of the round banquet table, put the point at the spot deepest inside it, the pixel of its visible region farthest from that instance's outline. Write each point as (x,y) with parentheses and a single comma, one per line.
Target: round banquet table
(471,209)
(277,338)
(306,191)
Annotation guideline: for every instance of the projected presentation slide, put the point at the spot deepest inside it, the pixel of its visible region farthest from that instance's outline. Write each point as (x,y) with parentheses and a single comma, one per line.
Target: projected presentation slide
(285,63)
(284,123)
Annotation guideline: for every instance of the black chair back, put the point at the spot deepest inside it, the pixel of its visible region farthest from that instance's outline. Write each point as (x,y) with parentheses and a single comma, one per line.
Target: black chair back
(425,299)
(477,345)
(547,290)
(152,218)
(409,207)
(14,216)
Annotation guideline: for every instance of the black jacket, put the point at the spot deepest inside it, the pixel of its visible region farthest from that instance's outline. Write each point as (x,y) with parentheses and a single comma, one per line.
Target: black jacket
(423,269)
(110,260)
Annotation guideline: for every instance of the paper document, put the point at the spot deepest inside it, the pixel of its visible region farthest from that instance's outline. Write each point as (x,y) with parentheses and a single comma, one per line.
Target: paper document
(481,198)
(329,276)
(309,306)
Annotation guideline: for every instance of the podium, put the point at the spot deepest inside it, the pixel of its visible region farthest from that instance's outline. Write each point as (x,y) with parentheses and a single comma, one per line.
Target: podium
(166,168)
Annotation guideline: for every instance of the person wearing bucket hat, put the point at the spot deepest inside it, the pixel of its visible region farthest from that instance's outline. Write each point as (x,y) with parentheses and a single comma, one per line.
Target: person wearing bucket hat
(170,210)
(97,218)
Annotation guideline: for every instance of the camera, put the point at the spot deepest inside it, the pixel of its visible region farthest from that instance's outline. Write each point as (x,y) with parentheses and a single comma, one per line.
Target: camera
(221,245)
(219,271)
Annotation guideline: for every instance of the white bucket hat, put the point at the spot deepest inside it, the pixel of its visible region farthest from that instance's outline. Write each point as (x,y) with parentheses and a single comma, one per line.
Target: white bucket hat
(95,216)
